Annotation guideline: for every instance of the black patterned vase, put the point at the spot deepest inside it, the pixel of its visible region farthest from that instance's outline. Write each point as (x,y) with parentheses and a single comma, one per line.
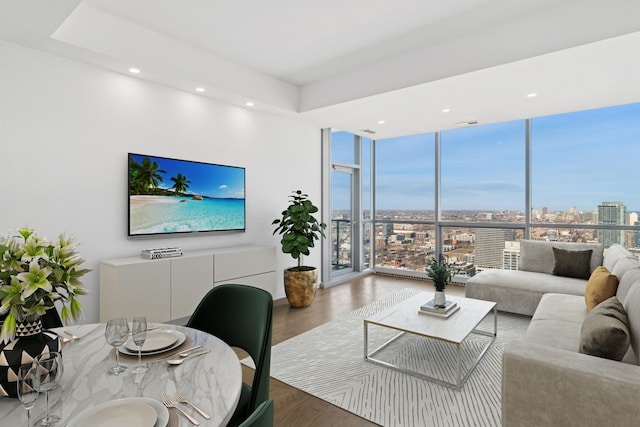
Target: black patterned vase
(30,341)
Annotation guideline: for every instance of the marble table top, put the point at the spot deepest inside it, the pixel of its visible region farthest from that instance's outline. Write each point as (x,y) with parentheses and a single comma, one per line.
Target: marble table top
(212,381)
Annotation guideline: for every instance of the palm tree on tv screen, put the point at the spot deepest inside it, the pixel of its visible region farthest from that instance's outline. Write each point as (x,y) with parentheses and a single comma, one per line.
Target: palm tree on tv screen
(181,183)
(146,175)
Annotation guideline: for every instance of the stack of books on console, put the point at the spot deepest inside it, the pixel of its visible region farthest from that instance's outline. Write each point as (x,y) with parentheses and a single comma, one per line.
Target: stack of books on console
(158,253)
(430,308)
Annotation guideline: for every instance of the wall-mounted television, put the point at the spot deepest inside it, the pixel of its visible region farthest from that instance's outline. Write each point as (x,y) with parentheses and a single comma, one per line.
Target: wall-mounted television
(181,197)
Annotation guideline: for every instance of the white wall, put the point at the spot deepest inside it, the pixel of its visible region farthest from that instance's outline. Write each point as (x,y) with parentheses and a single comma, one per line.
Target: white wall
(66,129)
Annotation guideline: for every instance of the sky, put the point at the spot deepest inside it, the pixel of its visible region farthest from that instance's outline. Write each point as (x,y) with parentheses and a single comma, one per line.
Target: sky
(207,179)
(578,159)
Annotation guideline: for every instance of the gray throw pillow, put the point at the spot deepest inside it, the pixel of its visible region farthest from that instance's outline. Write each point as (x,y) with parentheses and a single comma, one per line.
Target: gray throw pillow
(572,263)
(605,331)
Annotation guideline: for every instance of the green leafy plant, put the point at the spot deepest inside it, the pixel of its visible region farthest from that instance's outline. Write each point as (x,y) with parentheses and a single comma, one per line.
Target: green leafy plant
(298,227)
(440,272)
(34,274)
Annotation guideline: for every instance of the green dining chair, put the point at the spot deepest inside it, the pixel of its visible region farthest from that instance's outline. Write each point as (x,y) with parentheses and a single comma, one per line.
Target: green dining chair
(261,417)
(241,316)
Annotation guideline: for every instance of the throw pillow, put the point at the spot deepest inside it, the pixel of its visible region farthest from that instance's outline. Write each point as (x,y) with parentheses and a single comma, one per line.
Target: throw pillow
(572,263)
(602,285)
(605,331)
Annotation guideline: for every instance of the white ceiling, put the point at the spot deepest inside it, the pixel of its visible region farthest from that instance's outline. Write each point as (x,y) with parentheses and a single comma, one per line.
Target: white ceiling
(349,64)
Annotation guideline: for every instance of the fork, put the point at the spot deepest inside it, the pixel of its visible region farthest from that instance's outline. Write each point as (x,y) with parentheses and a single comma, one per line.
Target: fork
(180,398)
(170,404)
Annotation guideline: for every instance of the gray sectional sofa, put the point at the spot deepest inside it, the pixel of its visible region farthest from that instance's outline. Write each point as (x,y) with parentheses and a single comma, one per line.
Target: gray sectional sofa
(520,291)
(546,379)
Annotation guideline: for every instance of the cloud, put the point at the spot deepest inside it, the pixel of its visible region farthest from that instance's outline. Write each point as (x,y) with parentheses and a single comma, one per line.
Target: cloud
(223,187)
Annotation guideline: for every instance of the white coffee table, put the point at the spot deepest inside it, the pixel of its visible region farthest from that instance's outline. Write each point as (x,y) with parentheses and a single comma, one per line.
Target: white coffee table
(404,317)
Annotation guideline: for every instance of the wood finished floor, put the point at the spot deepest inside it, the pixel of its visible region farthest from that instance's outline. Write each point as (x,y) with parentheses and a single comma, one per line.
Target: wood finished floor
(294,407)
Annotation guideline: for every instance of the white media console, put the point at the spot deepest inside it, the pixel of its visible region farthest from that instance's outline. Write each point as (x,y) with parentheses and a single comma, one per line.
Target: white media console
(170,288)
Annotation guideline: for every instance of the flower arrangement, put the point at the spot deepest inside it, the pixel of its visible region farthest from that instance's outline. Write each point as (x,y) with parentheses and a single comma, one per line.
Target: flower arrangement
(34,274)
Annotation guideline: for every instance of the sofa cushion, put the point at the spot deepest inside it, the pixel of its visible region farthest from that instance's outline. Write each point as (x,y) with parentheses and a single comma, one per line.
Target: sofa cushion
(557,321)
(562,307)
(613,254)
(628,279)
(601,286)
(605,331)
(632,307)
(623,265)
(570,263)
(537,255)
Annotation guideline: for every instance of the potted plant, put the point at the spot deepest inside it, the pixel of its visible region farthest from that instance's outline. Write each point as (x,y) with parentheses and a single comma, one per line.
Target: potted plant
(299,229)
(34,274)
(440,272)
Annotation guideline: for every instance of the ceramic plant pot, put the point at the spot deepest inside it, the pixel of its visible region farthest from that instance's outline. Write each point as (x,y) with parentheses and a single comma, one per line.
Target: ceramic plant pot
(29,342)
(439,299)
(300,286)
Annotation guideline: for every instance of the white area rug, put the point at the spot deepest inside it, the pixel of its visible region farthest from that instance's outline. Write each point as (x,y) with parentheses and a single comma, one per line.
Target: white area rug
(328,362)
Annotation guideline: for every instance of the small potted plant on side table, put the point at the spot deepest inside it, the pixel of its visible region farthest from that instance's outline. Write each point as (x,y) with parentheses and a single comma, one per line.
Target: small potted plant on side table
(440,272)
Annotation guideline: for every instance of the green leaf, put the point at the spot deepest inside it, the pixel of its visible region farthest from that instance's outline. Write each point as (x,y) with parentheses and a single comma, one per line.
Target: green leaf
(65,314)
(8,328)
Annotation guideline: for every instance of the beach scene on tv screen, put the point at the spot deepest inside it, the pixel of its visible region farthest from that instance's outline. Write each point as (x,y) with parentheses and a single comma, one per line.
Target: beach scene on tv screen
(179,196)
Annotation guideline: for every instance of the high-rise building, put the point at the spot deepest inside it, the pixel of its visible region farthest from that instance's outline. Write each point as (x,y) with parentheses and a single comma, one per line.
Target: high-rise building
(611,213)
(489,246)
(511,256)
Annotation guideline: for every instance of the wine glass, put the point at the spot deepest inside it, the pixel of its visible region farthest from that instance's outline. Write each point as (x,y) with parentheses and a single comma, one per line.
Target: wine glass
(49,369)
(27,393)
(139,335)
(116,333)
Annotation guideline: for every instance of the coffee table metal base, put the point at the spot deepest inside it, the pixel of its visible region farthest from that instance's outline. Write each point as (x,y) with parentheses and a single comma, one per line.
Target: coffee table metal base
(461,377)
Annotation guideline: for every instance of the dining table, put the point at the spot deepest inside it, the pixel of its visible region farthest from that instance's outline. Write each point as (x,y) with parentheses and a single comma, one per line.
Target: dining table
(211,381)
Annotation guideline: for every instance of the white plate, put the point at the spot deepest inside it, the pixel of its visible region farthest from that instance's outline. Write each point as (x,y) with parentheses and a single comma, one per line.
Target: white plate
(181,338)
(156,340)
(133,412)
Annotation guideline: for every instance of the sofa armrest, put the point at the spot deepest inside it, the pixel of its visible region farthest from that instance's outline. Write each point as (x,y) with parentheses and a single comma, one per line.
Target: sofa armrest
(546,386)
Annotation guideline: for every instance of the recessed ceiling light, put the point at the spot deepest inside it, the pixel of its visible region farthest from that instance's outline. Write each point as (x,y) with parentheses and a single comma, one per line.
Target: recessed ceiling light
(249,104)
(446,110)
(200,89)
(532,95)
(381,122)
(134,70)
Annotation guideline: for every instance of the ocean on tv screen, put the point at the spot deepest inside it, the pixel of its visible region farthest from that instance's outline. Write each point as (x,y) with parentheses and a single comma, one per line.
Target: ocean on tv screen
(178,214)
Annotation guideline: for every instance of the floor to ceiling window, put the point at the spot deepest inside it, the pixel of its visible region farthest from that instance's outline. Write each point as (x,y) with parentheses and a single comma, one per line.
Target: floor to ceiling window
(349,204)
(567,177)
(482,182)
(584,171)
(404,203)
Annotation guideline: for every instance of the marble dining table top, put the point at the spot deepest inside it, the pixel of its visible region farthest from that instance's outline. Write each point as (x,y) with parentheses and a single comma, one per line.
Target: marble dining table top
(212,381)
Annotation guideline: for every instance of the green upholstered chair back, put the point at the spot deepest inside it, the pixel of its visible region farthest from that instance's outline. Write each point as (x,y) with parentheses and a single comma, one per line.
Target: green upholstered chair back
(261,417)
(241,316)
